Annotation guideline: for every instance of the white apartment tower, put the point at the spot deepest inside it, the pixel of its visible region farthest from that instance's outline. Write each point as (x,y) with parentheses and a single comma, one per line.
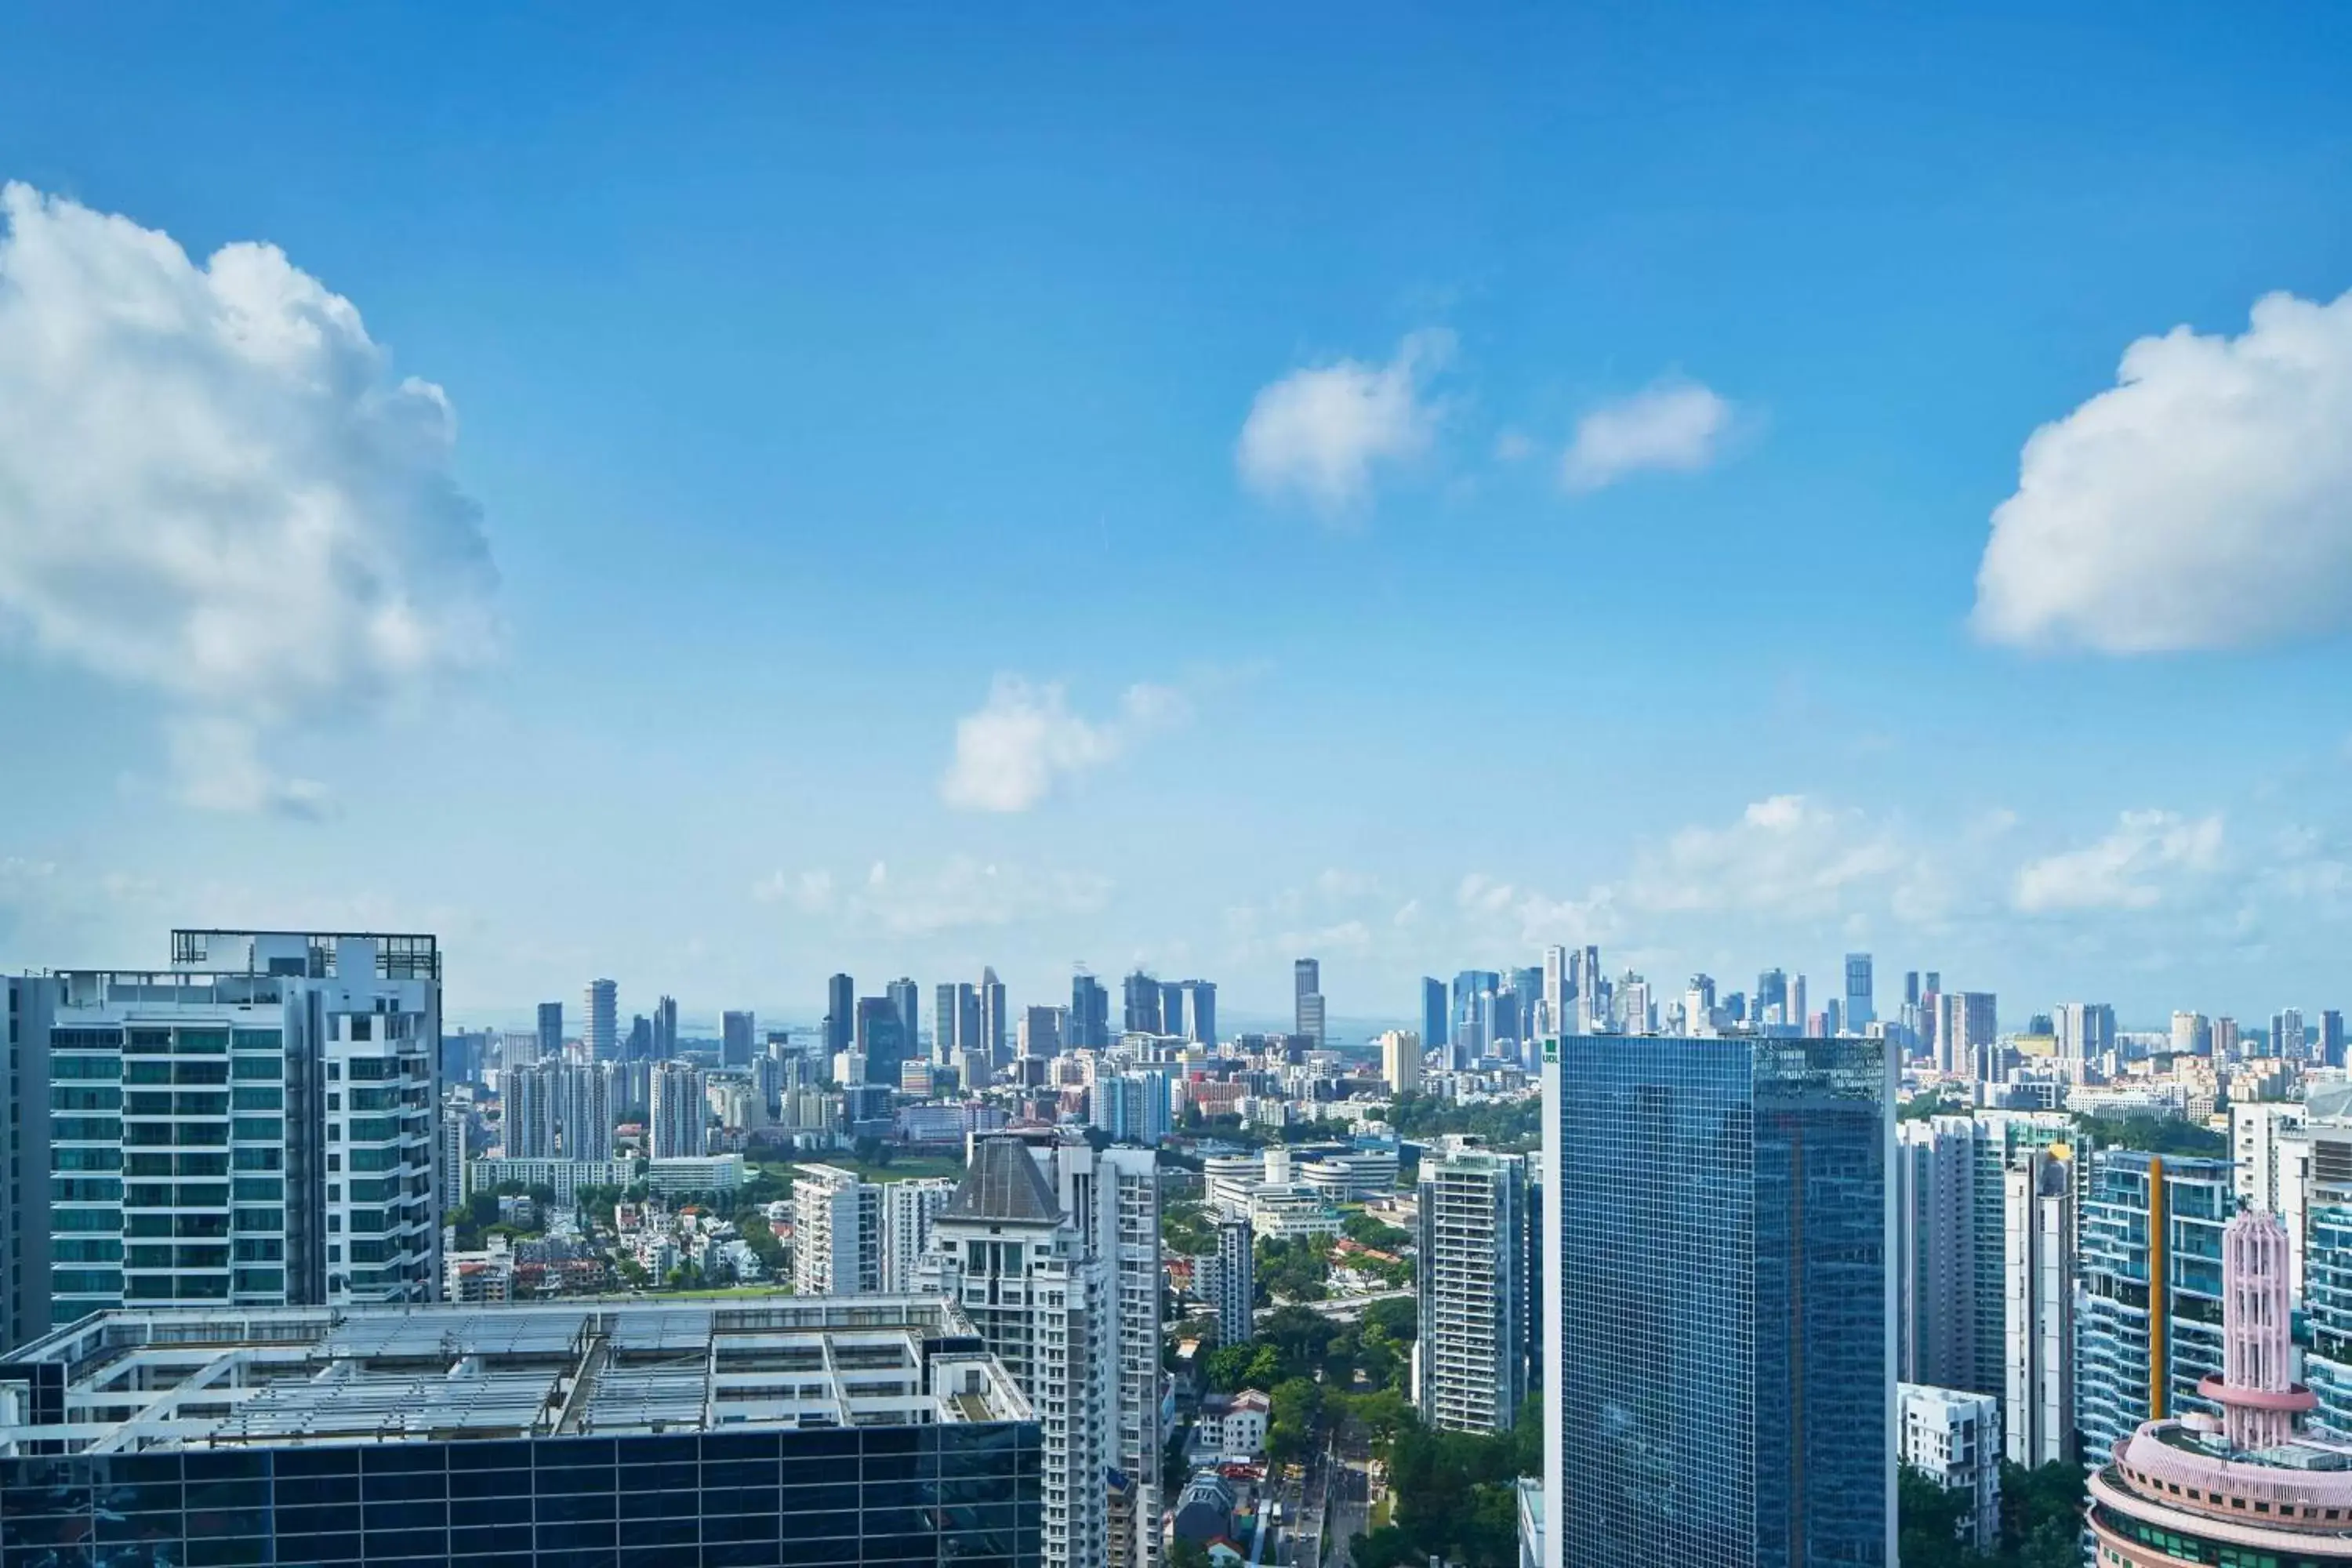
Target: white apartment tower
(908,1210)
(1470,1357)
(2038,1287)
(836,1233)
(681,1112)
(1053,1251)
(1401,1061)
(256,1125)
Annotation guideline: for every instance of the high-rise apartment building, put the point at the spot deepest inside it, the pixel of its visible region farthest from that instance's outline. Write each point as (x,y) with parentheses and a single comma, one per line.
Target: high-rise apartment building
(551,1030)
(2192,1034)
(1966,1036)
(2038,1318)
(908,1210)
(1953,1438)
(2322,1222)
(840,1013)
(681,1112)
(588,1108)
(995,1025)
(1556,993)
(600,1029)
(256,1125)
(1401,1061)
(1860,1007)
(1131,1106)
(1950,1312)
(1089,1013)
(737,1031)
(836,1233)
(1235,1295)
(1719,1330)
(2148,1329)
(531,1109)
(2087,1031)
(1054,1251)
(1470,1355)
(2287,1036)
(664,1028)
(2225,1039)
(1306,975)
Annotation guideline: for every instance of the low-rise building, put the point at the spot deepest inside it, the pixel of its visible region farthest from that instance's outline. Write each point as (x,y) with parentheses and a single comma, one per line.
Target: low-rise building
(1953,1438)
(1233,1427)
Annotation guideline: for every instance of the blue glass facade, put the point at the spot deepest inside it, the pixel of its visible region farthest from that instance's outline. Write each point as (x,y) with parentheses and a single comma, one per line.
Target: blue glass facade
(959,1493)
(1721,1376)
(2140,1353)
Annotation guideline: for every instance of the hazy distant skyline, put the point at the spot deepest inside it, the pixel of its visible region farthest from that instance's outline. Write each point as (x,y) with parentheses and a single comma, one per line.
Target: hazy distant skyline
(712,506)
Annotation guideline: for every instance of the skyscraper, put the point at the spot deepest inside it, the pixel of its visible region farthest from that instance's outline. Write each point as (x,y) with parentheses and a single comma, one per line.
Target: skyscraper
(840,1013)
(1235,1297)
(1967,1037)
(665,1028)
(600,1034)
(2148,1329)
(1056,1248)
(681,1112)
(1719,1330)
(251,1072)
(1089,1013)
(1861,1007)
(1201,1012)
(1470,1355)
(1307,974)
(551,1030)
(908,1210)
(1141,996)
(881,1039)
(2038,1325)
(2331,1038)
(528,1113)
(736,1032)
(1437,1026)
(588,1099)
(2287,1037)
(905,997)
(1556,992)
(1401,1061)
(955,1023)
(2087,1031)
(1040,1033)
(1172,1006)
(995,1026)
(836,1232)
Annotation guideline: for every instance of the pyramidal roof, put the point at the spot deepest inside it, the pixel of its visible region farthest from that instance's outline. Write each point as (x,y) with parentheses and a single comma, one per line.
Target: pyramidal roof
(1003,1182)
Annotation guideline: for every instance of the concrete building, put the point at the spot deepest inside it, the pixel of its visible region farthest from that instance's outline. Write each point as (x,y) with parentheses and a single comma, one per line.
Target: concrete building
(2237,1481)
(528,1113)
(2272,1160)
(1053,1249)
(1968,1039)
(1950,1290)
(1470,1355)
(681,1112)
(1232,1289)
(1307,1018)
(2323,1224)
(737,1033)
(2038,1319)
(1719,1325)
(256,1125)
(537,1436)
(1401,1061)
(563,1177)
(2085,1030)
(836,1233)
(590,1106)
(1953,1437)
(908,1210)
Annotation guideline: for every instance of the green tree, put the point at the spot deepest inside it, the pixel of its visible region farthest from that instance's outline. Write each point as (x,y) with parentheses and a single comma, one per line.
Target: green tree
(1366,1231)
(1186,1230)
(1297,1409)
(1927,1524)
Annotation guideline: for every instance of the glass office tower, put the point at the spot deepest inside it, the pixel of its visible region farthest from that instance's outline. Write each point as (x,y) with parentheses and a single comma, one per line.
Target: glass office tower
(1718,1227)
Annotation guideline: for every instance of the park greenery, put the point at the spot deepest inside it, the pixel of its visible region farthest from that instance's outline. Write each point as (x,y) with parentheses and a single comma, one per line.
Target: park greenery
(1455,1494)
(2153,1135)
(1508,1125)
(2040,1520)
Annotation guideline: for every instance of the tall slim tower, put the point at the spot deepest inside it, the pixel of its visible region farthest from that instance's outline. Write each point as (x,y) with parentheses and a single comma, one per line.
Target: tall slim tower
(736,1032)
(1307,974)
(2038,1273)
(840,1013)
(681,1112)
(1437,1026)
(1470,1357)
(665,1028)
(1719,1331)
(551,1030)
(1089,1013)
(904,994)
(1861,1007)
(601,1032)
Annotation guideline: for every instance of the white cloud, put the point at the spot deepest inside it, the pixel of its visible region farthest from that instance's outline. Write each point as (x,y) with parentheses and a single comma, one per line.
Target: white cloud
(968,893)
(811,892)
(1673,425)
(1785,855)
(1501,910)
(1018,745)
(2130,868)
(212,488)
(2204,501)
(1320,433)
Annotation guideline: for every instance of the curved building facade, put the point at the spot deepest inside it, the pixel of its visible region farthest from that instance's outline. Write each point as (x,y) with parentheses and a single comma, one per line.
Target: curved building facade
(2248,1489)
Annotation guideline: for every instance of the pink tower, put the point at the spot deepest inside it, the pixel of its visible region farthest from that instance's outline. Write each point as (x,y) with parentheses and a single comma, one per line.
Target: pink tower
(2260,1402)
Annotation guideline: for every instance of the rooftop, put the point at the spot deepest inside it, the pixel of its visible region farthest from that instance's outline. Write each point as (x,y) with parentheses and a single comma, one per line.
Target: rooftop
(134,1381)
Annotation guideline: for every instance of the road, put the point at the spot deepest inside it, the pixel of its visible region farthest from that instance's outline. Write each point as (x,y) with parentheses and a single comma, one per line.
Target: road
(1343,1309)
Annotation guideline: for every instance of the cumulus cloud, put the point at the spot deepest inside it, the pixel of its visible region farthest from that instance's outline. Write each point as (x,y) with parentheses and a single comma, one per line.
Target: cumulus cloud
(1318,433)
(2204,501)
(212,488)
(811,892)
(1672,426)
(1787,853)
(1025,738)
(2131,868)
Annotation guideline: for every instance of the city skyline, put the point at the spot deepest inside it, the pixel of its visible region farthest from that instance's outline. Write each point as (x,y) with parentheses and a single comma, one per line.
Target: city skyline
(1202,502)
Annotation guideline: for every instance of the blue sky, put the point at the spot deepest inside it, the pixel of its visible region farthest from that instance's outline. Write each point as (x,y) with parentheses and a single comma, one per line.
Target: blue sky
(823,382)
